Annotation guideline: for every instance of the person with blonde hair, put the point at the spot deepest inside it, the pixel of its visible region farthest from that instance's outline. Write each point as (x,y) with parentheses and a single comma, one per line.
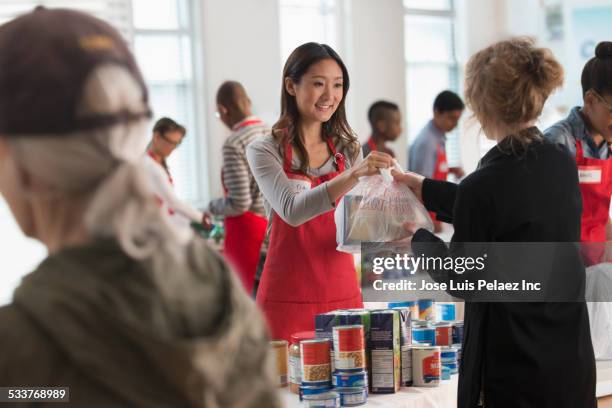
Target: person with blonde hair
(128,309)
(521,354)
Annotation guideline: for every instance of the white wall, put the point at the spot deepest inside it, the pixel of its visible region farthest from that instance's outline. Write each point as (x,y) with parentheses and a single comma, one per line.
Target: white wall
(376,62)
(480,23)
(241,41)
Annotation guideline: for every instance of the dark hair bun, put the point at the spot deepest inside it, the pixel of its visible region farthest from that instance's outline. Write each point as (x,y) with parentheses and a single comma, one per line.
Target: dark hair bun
(604,50)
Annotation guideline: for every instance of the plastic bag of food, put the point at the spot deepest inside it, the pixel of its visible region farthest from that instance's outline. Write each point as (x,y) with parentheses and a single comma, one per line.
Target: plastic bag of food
(375,210)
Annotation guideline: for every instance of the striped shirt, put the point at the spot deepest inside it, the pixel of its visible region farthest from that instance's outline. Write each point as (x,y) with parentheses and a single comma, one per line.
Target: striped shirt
(242,192)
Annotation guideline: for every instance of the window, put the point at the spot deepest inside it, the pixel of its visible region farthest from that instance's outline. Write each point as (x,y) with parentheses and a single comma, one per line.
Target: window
(431,63)
(304,21)
(162,43)
(161,35)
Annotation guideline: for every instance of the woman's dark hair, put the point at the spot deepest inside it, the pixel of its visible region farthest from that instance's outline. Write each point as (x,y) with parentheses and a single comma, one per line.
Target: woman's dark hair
(165,125)
(300,60)
(597,72)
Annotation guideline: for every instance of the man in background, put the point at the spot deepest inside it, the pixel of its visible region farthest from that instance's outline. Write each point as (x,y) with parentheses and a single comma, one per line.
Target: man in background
(242,204)
(386,124)
(427,155)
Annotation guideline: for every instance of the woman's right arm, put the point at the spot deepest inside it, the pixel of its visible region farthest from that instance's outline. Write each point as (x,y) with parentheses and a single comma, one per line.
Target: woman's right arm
(297,206)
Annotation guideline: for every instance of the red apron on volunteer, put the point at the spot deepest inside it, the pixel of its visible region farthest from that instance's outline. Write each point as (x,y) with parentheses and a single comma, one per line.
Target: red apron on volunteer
(244,235)
(595,177)
(304,274)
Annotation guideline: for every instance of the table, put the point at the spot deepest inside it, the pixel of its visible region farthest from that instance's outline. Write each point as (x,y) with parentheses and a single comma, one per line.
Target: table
(444,396)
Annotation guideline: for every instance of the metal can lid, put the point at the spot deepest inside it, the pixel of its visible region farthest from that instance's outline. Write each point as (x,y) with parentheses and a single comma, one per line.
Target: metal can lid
(316,340)
(330,395)
(443,324)
(348,327)
(303,335)
(350,390)
(278,343)
(424,347)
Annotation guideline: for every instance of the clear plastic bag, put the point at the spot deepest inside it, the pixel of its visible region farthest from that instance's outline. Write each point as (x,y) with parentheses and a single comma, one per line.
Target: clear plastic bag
(376,210)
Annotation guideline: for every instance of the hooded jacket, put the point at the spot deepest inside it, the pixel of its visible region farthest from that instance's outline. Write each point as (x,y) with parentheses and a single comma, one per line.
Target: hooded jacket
(125,333)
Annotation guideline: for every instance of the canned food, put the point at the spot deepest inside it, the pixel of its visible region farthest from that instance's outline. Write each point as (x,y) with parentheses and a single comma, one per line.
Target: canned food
(313,390)
(352,397)
(349,348)
(457,332)
(445,372)
(424,335)
(444,334)
(279,348)
(329,399)
(295,358)
(426,309)
(350,379)
(406,375)
(426,367)
(315,361)
(448,358)
(446,312)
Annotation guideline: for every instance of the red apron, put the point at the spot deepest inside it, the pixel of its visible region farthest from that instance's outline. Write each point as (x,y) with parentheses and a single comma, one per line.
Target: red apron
(372,145)
(595,176)
(304,274)
(440,171)
(244,235)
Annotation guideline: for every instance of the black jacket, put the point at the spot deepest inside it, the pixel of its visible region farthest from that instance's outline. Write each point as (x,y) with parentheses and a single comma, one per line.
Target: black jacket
(519,355)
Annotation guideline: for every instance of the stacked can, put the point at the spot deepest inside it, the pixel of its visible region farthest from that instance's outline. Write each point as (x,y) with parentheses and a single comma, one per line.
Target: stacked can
(426,366)
(446,311)
(444,334)
(295,358)
(457,332)
(413,305)
(316,367)
(280,349)
(350,377)
(448,358)
(328,399)
(427,310)
(423,333)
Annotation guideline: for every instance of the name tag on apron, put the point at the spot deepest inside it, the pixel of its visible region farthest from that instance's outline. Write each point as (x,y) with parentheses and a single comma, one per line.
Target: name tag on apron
(300,185)
(589,174)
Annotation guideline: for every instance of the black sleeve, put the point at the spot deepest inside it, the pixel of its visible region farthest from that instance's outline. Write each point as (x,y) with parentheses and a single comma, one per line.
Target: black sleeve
(439,197)
(472,226)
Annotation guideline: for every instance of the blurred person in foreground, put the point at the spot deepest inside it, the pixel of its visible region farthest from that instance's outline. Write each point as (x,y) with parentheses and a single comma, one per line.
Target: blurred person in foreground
(128,309)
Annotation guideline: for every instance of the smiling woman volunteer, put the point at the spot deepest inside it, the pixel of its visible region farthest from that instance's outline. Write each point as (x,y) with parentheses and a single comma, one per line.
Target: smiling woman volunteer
(310,159)
(587,132)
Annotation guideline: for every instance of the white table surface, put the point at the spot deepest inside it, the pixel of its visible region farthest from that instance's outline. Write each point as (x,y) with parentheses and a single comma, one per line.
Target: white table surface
(444,396)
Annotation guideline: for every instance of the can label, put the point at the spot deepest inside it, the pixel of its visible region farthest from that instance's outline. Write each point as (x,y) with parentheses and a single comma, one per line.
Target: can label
(426,366)
(350,380)
(280,354)
(424,335)
(295,370)
(349,350)
(457,332)
(315,362)
(431,368)
(426,309)
(444,336)
(353,397)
